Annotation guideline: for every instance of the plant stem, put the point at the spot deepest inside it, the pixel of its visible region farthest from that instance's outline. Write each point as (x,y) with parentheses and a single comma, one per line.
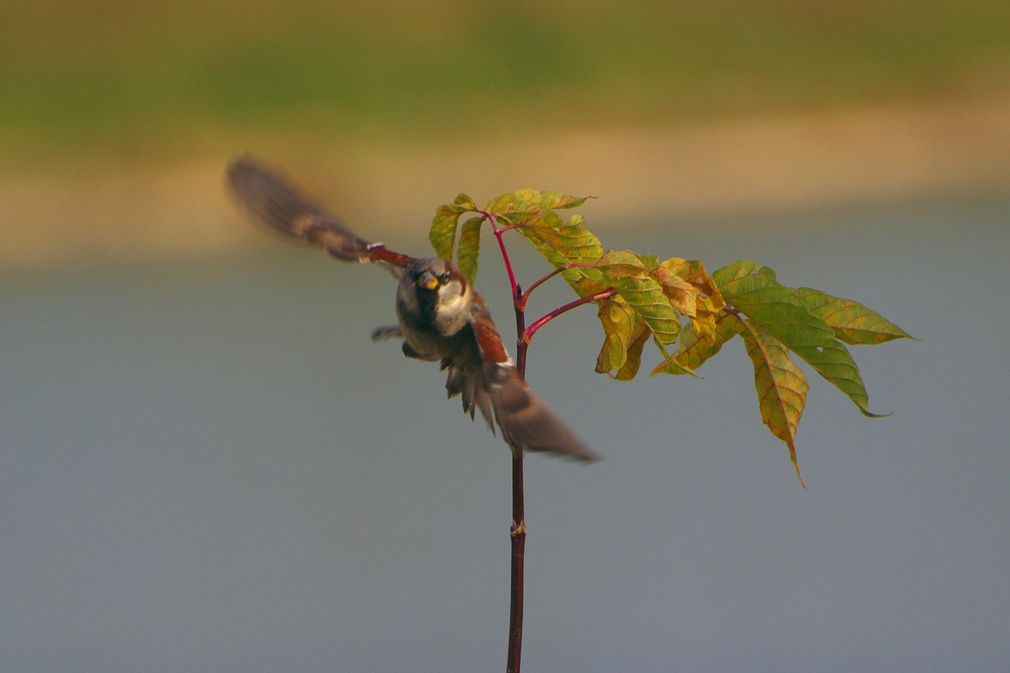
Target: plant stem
(517,533)
(504,253)
(518,536)
(526,335)
(526,295)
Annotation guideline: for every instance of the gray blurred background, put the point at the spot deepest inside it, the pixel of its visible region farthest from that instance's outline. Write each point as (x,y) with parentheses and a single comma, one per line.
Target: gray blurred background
(205,464)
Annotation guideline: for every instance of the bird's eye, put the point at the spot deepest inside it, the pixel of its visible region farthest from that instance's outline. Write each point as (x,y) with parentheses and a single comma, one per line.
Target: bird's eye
(443,278)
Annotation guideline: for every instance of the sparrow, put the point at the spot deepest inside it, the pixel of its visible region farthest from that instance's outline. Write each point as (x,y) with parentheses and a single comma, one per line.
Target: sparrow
(440,317)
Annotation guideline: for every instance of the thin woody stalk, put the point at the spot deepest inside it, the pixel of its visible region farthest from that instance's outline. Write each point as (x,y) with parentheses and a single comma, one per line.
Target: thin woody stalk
(517,532)
(518,535)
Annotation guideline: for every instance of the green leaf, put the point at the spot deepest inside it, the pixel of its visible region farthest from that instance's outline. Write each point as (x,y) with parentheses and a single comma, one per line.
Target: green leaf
(735,271)
(834,362)
(853,323)
(442,234)
(469,248)
(775,306)
(780,384)
(753,290)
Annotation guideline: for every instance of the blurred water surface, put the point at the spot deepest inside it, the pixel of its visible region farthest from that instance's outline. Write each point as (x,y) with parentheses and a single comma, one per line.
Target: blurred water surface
(209,466)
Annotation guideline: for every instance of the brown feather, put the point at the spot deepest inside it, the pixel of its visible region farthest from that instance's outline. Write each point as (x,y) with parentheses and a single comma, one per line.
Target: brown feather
(269,197)
(527,422)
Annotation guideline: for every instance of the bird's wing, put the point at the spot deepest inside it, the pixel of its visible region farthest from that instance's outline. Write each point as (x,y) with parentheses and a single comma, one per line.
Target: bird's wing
(526,422)
(270,198)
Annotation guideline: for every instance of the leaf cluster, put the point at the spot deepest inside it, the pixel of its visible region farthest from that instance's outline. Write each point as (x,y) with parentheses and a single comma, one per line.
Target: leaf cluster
(686,312)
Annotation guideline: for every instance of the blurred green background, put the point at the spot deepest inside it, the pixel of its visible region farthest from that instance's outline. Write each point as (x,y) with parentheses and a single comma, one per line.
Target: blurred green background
(180,76)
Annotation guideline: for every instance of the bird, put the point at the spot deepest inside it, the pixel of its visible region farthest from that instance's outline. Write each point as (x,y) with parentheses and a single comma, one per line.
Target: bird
(440,316)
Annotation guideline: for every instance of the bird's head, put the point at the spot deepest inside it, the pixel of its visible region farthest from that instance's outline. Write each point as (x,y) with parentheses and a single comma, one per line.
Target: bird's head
(436,293)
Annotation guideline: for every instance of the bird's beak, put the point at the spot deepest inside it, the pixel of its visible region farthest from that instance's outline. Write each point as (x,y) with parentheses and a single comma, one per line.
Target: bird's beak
(428,280)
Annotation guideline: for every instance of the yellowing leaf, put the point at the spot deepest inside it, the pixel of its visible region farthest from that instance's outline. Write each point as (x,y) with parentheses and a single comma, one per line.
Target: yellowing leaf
(468,250)
(671,366)
(693,272)
(442,234)
(639,335)
(625,334)
(565,243)
(683,296)
(780,384)
(618,320)
(625,272)
(569,239)
(853,323)
(698,345)
(525,203)
(562,243)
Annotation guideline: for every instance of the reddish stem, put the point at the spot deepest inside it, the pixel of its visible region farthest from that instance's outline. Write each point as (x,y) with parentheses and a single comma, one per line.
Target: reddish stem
(526,295)
(602,294)
(518,536)
(504,253)
(517,533)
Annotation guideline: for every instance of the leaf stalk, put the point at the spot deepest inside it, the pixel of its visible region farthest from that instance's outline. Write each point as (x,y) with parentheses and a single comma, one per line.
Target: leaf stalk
(532,329)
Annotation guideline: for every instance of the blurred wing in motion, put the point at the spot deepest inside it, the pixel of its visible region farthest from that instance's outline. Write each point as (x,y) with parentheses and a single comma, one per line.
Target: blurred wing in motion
(527,422)
(268,196)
